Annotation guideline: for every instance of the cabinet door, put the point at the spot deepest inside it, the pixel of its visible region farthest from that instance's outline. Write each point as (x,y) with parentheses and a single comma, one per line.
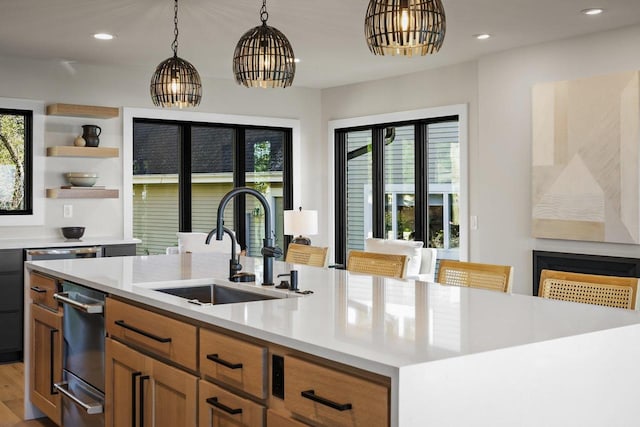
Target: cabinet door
(46,360)
(221,408)
(124,369)
(328,397)
(175,396)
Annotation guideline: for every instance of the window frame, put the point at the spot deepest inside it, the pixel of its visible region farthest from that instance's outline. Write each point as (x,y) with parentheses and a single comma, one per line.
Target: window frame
(28,161)
(241,123)
(37,176)
(337,203)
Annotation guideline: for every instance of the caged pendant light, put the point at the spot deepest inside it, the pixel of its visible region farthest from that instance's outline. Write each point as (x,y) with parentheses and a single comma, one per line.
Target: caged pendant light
(404,27)
(176,83)
(264,57)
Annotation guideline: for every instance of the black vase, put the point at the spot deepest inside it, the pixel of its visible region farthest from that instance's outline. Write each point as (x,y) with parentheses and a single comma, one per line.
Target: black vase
(90,133)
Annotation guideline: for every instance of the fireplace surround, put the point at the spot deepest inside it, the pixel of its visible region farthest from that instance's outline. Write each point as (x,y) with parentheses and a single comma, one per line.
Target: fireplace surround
(582,263)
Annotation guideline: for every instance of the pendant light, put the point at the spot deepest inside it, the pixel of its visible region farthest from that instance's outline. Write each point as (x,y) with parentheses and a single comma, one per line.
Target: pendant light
(404,27)
(176,83)
(264,57)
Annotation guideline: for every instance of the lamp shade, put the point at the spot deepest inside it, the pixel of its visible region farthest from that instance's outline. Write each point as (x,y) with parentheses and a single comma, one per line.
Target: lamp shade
(300,223)
(405,27)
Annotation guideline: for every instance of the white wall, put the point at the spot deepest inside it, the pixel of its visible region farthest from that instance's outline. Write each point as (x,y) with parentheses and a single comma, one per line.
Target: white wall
(497,89)
(502,186)
(52,82)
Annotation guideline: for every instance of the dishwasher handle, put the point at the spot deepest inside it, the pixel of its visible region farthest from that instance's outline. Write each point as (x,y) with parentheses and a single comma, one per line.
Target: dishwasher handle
(65,251)
(63,297)
(91,408)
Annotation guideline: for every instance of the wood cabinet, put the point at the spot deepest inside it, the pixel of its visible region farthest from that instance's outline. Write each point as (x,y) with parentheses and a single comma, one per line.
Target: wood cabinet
(234,362)
(46,360)
(42,290)
(154,378)
(276,419)
(221,408)
(333,398)
(142,391)
(165,337)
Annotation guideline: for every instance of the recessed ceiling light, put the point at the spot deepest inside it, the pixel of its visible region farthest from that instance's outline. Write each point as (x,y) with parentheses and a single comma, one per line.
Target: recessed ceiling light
(482,36)
(103,36)
(592,11)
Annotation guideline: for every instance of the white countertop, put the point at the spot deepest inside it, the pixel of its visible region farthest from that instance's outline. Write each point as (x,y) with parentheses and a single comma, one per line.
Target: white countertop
(380,325)
(61,242)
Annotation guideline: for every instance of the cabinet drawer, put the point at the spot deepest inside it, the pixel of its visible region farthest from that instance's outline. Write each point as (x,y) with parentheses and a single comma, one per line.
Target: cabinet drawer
(332,398)
(159,334)
(42,290)
(222,408)
(276,419)
(234,362)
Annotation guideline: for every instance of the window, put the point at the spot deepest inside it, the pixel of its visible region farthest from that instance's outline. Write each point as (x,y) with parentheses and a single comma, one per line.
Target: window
(16,193)
(181,170)
(399,181)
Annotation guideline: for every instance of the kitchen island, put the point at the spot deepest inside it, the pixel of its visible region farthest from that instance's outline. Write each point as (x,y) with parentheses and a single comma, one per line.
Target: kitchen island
(452,356)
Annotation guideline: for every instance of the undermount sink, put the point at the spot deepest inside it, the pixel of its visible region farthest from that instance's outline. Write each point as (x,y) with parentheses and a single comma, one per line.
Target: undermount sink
(213,294)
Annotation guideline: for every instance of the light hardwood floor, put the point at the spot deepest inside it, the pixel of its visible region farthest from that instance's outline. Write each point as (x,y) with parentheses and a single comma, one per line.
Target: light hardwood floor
(11,398)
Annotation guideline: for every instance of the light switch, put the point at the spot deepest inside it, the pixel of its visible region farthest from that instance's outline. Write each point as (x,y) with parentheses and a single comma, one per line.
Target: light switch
(473,219)
(68,211)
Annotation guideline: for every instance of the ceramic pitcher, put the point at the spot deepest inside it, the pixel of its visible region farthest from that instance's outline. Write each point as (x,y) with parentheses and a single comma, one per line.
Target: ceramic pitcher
(90,133)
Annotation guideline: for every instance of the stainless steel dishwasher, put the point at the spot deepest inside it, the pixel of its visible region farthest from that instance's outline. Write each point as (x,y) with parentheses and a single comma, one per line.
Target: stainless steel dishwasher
(44,254)
(82,385)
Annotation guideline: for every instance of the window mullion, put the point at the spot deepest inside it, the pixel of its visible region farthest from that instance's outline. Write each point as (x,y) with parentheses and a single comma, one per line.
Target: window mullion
(422,183)
(340,197)
(184,179)
(239,180)
(377,181)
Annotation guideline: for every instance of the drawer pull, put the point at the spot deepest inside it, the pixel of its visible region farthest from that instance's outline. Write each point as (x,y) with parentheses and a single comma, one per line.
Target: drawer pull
(52,367)
(38,290)
(310,394)
(213,401)
(122,324)
(215,358)
(134,377)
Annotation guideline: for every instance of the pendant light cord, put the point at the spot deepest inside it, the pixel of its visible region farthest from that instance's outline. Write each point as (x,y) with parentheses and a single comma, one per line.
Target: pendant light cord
(174,45)
(264,15)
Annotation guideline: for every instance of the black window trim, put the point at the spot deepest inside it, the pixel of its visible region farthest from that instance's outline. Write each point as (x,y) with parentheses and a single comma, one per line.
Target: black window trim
(184,171)
(28,162)
(377,169)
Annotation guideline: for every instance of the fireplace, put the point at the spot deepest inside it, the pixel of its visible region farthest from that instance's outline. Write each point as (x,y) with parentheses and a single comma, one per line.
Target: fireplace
(580,263)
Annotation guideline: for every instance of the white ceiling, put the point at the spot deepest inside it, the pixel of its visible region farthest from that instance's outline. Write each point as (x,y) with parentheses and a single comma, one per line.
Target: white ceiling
(327,35)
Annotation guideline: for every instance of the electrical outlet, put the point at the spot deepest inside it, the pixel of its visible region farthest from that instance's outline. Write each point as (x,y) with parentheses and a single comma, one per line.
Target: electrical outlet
(67,211)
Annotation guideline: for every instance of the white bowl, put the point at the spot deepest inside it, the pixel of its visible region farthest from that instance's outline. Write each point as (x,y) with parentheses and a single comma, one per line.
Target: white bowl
(82,179)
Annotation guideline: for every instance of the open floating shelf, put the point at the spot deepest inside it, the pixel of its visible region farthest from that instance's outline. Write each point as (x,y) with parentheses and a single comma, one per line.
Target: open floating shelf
(82,193)
(90,111)
(73,151)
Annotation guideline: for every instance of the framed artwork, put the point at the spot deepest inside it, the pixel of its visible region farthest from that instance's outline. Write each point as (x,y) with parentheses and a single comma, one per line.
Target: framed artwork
(585,159)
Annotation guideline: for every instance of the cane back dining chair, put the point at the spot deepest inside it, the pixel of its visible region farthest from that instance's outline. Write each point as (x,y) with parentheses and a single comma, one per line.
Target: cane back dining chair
(378,264)
(610,291)
(314,256)
(475,275)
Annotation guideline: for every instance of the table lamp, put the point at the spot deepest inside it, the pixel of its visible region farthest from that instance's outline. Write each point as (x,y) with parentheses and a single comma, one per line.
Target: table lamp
(300,223)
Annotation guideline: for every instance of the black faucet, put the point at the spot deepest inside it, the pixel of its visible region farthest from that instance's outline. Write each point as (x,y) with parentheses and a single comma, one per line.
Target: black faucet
(234,262)
(269,251)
